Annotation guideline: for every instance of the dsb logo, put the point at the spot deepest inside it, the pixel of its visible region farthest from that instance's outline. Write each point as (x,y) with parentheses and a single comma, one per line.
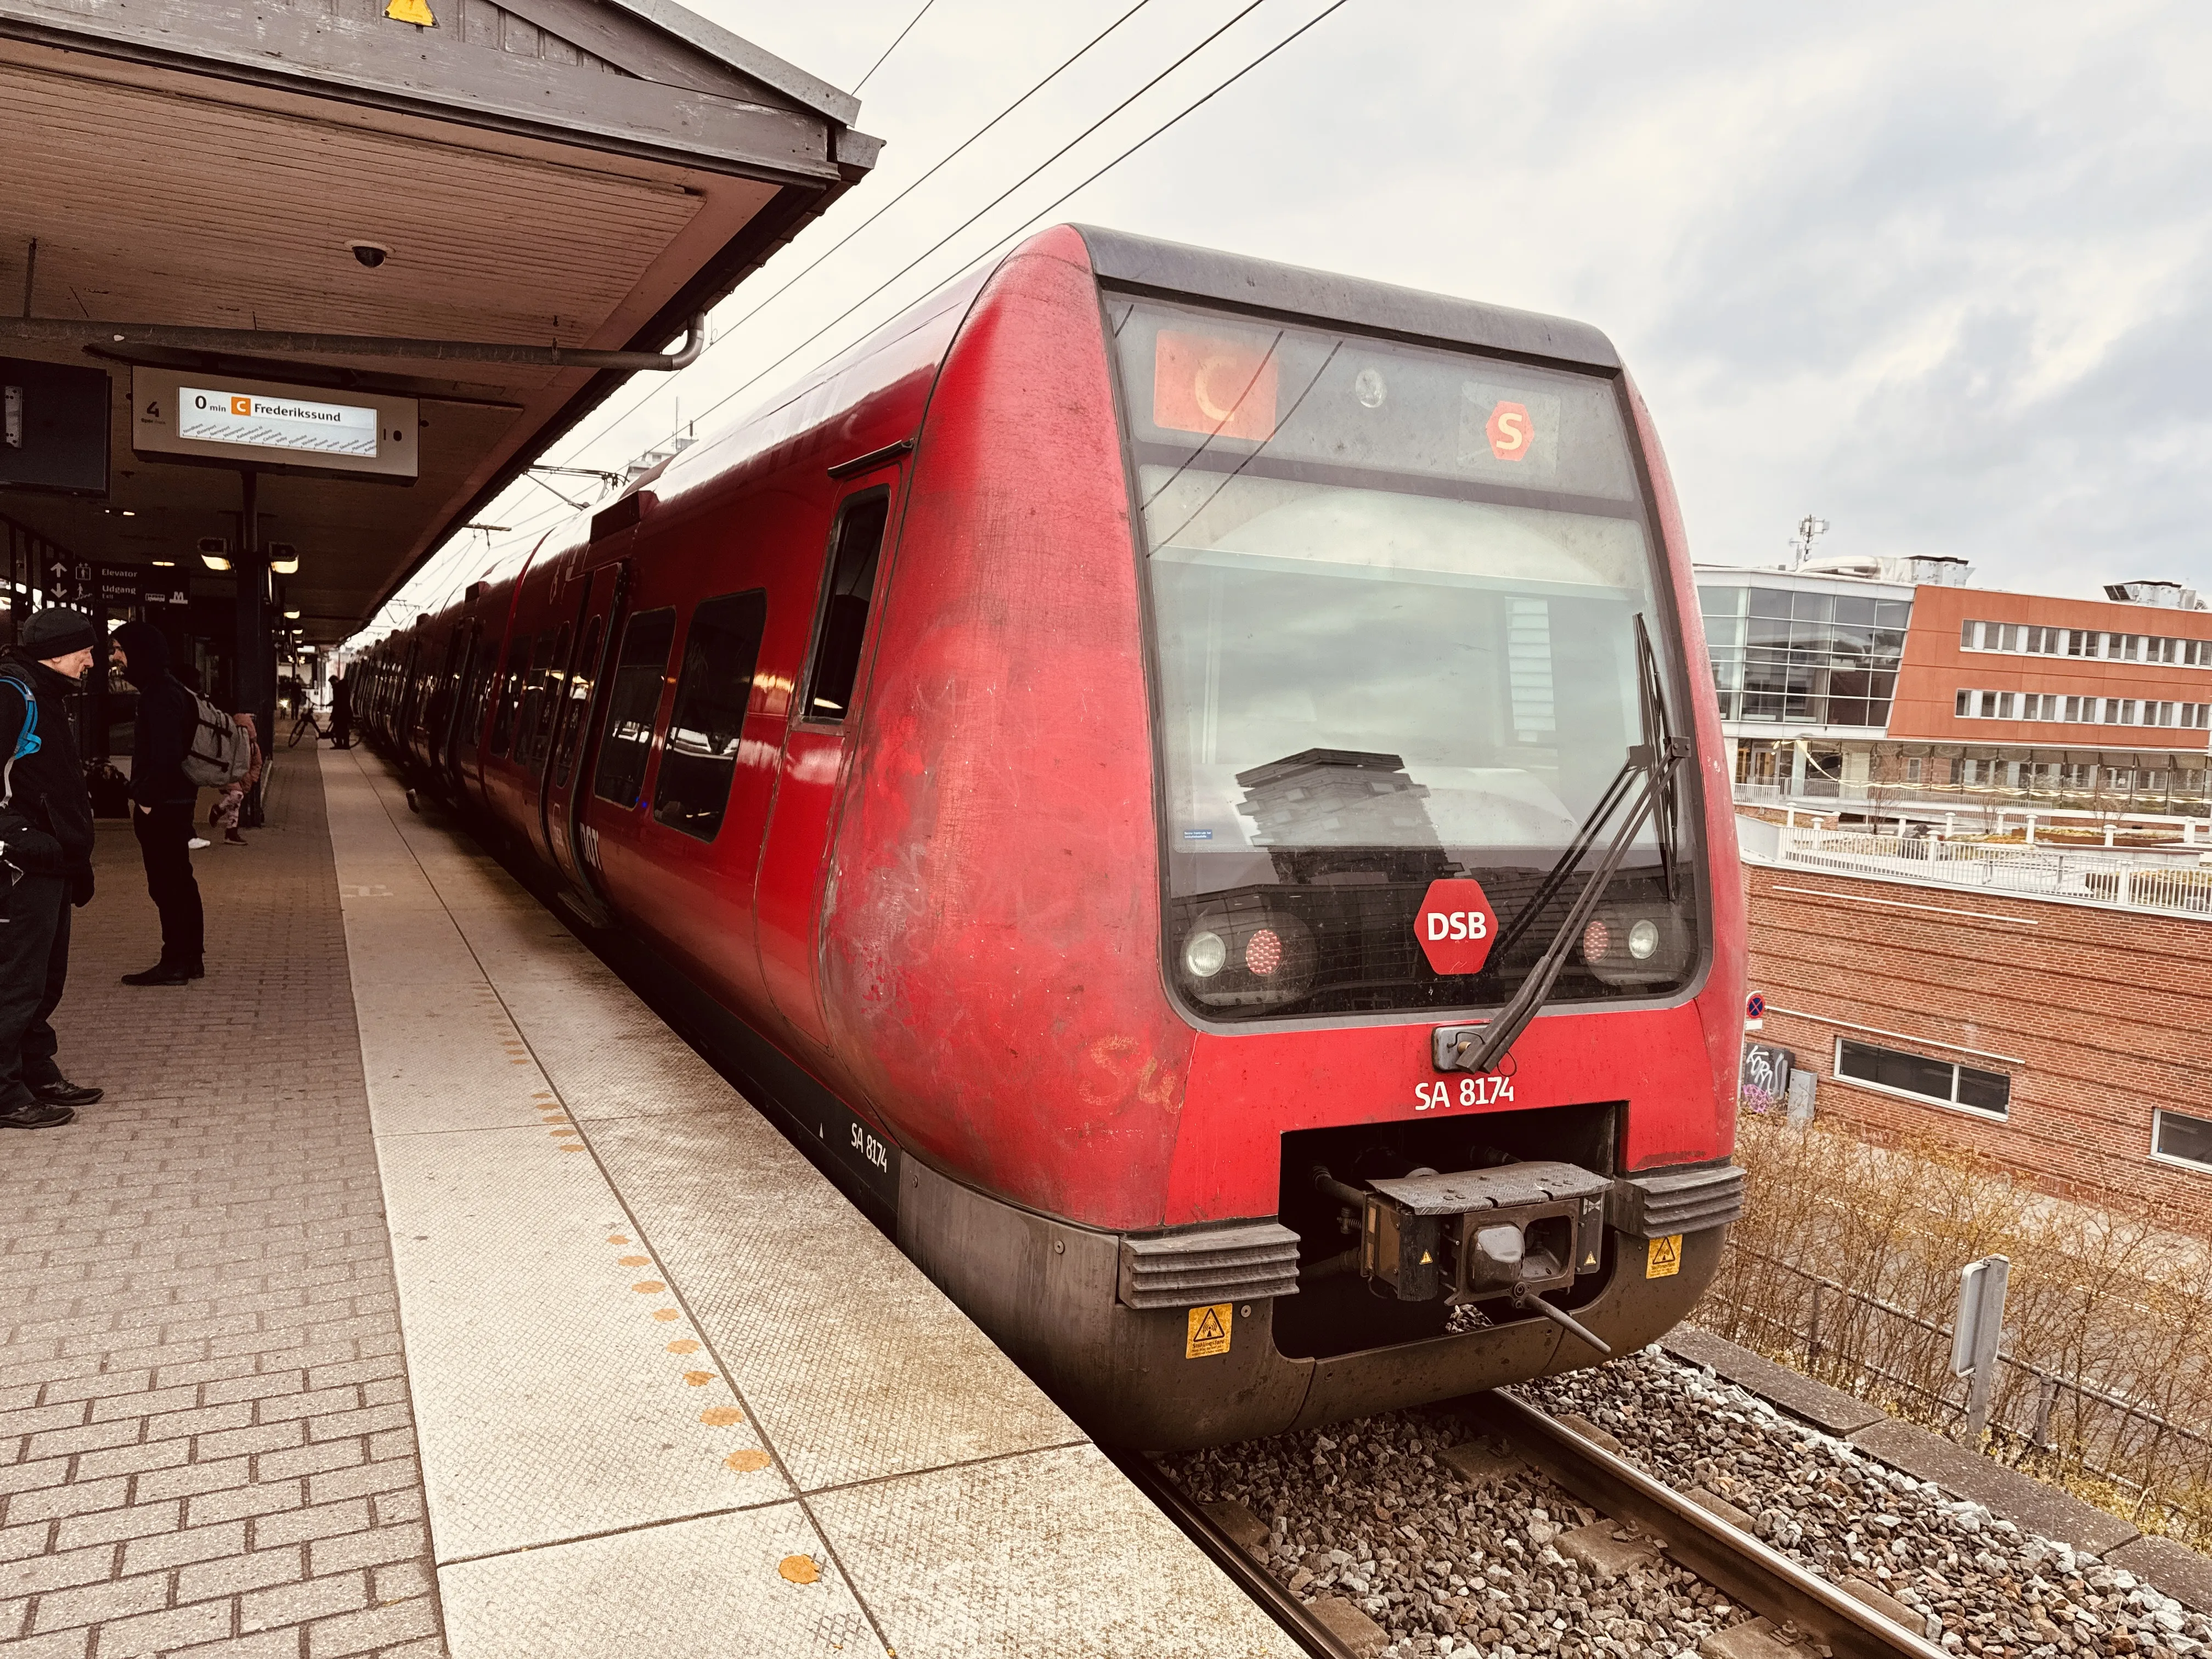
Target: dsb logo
(1455,925)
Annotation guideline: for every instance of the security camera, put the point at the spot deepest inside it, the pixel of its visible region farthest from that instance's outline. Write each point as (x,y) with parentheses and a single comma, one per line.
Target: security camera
(371,255)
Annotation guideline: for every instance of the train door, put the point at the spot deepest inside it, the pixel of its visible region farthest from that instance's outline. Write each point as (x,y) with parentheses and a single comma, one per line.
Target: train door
(458,751)
(598,601)
(787,895)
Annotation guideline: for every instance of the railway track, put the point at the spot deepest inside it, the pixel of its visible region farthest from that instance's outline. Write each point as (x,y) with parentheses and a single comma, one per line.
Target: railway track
(1800,1616)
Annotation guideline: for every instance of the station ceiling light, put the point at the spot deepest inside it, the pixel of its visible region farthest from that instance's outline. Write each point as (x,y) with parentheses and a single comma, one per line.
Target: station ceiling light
(291,616)
(214,552)
(284,558)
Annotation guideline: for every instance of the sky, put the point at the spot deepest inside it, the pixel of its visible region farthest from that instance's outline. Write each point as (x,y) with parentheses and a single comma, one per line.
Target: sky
(1940,274)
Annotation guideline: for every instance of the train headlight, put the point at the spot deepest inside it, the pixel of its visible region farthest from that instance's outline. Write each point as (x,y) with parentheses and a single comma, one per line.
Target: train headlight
(1205,954)
(1242,952)
(1633,945)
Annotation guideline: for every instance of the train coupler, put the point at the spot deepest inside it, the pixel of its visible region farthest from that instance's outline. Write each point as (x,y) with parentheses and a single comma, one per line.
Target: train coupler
(1517,1230)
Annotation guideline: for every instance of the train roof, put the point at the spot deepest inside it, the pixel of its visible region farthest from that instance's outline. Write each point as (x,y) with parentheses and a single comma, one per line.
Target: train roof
(1173,268)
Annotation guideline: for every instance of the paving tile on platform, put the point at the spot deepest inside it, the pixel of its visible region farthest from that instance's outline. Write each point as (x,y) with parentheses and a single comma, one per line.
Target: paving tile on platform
(857,1365)
(722,1587)
(1052,1552)
(549,1404)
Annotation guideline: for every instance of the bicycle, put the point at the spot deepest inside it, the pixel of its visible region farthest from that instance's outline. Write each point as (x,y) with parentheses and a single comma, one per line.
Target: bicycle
(303,724)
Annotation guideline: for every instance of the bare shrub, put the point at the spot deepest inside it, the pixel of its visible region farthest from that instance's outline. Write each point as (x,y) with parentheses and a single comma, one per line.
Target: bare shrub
(1865,1242)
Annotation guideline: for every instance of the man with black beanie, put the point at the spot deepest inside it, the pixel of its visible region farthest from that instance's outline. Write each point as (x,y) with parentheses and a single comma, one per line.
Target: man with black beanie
(48,816)
(162,801)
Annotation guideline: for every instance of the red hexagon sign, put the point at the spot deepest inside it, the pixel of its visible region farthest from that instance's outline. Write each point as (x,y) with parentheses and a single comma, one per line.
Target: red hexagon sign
(1456,925)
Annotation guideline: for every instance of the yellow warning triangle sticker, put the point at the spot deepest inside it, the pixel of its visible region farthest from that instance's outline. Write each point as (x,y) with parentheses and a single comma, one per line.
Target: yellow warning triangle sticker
(1208,1332)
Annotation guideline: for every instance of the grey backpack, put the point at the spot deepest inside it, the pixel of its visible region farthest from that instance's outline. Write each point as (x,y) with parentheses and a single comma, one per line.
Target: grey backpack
(220,752)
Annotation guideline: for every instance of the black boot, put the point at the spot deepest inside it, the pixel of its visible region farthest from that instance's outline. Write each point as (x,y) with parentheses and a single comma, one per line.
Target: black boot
(159,974)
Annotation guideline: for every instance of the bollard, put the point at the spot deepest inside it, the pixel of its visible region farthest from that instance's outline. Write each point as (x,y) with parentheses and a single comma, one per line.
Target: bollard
(2108,834)
(2030,828)
(1974,1334)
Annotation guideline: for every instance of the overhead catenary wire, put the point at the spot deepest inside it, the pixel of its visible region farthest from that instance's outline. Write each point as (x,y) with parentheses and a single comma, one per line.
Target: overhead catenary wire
(1058,201)
(894,46)
(942,162)
(1248,8)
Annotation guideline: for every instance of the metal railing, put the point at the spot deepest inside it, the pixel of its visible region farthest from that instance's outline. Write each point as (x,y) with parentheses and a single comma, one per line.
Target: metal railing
(1890,1356)
(2117,880)
(1981,797)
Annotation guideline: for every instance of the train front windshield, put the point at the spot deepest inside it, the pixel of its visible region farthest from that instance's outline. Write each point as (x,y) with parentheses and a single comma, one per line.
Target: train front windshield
(1395,592)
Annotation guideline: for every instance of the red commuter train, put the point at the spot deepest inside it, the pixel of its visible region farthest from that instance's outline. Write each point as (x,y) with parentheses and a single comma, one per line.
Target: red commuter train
(1194,783)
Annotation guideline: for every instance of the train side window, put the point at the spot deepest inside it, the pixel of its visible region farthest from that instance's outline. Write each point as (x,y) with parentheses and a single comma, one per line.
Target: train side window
(712,691)
(549,680)
(532,694)
(510,693)
(580,697)
(855,547)
(632,699)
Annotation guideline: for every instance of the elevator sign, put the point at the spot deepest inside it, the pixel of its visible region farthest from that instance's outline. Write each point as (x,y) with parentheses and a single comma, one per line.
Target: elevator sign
(271,427)
(1456,925)
(220,415)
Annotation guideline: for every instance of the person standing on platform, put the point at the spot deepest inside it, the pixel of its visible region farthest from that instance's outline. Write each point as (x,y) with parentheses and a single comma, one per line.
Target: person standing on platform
(225,815)
(161,802)
(341,713)
(44,789)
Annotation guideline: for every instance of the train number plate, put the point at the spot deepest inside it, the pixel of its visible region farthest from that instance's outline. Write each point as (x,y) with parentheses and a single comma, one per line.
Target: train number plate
(1485,1091)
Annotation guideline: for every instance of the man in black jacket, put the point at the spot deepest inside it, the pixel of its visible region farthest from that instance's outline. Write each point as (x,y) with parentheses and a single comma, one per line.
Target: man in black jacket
(162,801)
(46,787)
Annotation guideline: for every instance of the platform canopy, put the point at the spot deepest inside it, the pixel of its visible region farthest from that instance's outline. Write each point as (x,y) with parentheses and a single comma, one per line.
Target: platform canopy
(197,197)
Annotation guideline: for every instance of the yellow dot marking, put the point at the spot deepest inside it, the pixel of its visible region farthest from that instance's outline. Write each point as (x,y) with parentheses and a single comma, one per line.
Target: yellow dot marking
(665,1313)
(648,1287)
(698,1379)
(571,1146)
(744,1463)
(683,1345)
(721,1417)
(636,1261)
(618,1238)
(799,1569)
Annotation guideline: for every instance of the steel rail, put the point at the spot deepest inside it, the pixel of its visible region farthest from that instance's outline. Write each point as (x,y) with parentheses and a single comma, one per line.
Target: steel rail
(1278,1603)
(1750,1571)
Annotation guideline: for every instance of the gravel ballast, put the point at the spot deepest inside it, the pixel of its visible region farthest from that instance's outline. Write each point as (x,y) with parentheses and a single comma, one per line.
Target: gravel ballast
(1368,1511)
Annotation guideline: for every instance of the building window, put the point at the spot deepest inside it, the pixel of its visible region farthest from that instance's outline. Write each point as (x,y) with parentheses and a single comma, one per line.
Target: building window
(1943,1081)
(1912,768)
(1814,658)
(2183,1138)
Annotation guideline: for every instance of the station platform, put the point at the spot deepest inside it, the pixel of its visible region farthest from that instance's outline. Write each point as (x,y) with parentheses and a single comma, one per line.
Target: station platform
(416,1290)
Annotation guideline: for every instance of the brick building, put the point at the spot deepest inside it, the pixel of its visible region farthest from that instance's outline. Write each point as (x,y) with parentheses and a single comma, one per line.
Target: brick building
(2064,1041)
(1876,679)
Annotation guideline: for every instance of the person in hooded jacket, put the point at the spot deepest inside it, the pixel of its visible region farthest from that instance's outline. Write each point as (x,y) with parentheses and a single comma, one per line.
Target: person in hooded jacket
(163,800)
(47,788)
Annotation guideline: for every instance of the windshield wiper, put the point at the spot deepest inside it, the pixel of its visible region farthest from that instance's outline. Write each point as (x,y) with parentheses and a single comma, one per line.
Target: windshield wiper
(1650,763)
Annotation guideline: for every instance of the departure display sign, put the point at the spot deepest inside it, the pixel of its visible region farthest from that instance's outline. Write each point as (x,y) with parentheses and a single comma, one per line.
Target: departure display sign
(182,415)
(223,416)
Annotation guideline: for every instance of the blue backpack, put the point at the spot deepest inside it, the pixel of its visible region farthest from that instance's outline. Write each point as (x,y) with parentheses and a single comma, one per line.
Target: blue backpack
(27,740)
